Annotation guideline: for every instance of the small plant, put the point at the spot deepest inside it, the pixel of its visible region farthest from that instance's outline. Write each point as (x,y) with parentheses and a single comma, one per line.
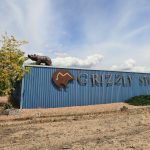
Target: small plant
(124,108)
(8,106)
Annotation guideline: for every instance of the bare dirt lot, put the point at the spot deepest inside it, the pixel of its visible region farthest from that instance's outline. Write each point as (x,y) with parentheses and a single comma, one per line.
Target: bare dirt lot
(101,127)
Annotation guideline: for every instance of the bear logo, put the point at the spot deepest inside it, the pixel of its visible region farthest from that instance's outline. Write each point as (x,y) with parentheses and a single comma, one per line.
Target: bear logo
(61,78)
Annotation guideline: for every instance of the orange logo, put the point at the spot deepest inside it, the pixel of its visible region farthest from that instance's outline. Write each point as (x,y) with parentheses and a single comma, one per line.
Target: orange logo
(61,78)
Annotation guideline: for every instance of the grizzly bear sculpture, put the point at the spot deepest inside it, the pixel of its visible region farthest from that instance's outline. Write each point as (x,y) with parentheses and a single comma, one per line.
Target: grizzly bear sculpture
(41,59)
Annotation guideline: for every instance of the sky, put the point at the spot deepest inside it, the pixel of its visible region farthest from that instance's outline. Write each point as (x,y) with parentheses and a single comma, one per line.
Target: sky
(103,34)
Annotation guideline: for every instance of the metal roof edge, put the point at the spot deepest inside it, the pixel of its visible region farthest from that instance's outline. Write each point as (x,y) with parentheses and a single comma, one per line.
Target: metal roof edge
(94,69)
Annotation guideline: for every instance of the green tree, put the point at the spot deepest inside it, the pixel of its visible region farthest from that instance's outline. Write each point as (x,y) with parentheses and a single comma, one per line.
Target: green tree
(11,61)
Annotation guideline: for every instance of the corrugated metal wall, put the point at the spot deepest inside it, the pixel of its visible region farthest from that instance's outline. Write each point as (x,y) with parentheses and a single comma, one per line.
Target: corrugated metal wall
(38,90)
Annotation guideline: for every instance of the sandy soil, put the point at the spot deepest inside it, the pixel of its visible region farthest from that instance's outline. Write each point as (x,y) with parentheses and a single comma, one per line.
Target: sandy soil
(100,127)
(3,100)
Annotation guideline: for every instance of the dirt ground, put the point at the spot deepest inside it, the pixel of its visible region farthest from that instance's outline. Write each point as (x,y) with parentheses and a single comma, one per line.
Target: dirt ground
(100,127)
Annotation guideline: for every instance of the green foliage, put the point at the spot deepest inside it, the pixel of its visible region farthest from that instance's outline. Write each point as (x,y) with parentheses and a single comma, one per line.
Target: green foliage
(11,61)
(8,106)
(139,100)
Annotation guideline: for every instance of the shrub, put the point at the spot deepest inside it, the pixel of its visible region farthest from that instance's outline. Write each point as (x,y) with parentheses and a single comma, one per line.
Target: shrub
(11,61)
(7,106)
(139,100)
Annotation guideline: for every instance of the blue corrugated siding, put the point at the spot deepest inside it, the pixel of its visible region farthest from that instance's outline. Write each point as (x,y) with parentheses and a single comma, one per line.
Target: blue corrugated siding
(38,90)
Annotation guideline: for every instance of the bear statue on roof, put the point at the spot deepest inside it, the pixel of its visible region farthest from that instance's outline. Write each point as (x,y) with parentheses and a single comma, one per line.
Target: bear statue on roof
(41,59)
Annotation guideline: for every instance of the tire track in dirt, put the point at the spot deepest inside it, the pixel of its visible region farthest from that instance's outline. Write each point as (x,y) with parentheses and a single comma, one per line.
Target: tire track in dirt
(57,118)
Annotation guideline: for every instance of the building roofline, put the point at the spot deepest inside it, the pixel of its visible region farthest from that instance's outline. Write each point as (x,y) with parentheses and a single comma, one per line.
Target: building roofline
(94,69)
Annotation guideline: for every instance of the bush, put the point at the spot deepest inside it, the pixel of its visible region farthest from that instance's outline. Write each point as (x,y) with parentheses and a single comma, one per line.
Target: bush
(8,106)
(142,100)
(11,61)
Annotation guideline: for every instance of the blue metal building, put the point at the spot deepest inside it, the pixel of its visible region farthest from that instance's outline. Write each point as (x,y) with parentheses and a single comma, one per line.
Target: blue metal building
(88,87)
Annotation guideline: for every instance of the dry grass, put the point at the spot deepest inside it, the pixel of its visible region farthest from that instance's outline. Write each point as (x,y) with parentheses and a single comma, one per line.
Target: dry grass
(106,127)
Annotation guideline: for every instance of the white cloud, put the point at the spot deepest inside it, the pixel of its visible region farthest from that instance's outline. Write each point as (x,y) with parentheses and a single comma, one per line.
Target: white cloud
(93,61)
(69,61)
(130,65)
(65,60)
